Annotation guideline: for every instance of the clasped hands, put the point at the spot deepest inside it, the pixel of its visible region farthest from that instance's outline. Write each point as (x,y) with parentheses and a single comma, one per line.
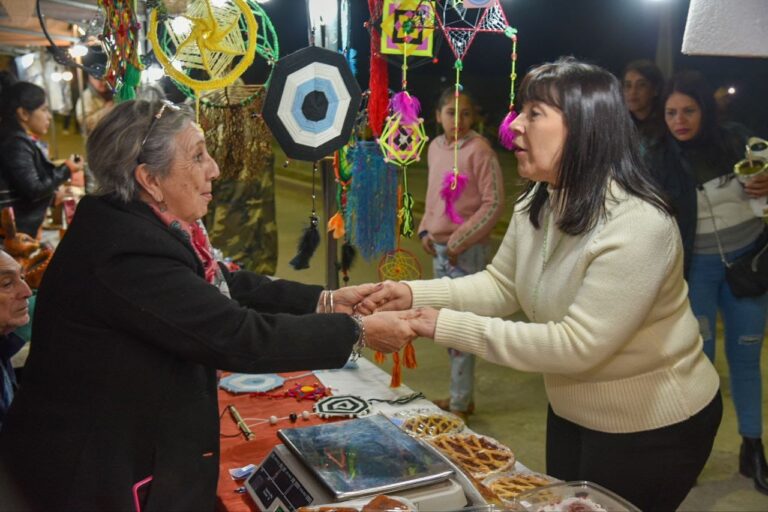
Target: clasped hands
(390,322)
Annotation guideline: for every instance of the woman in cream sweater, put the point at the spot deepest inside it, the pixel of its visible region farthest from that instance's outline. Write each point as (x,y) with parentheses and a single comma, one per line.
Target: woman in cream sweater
(594,260)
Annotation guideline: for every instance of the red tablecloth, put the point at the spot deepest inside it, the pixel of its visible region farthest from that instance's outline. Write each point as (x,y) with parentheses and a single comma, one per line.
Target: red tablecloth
(237,452)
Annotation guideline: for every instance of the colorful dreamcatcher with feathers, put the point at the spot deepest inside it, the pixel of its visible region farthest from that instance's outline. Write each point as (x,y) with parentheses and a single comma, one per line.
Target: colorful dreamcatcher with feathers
(120,39)
(460,23)
(403,137)
(206,47)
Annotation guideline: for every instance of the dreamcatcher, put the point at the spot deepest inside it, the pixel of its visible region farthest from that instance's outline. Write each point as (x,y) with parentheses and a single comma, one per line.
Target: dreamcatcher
(460,22)
(244,195)
(403,136)
(398,265)
(311,106)
(120,36)
(371,200)
(208,46)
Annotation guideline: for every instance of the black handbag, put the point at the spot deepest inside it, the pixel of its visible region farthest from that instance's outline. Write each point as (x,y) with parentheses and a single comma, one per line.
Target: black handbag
(748,274)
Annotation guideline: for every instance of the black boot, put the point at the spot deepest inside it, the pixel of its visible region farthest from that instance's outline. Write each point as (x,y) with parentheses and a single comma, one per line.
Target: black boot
(752,463)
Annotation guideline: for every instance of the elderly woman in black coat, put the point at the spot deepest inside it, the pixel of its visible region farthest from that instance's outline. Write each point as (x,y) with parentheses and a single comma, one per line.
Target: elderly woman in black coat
(119,406)
(28,180)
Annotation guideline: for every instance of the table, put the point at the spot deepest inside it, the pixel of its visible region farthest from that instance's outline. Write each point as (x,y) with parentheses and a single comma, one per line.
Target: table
(366,380)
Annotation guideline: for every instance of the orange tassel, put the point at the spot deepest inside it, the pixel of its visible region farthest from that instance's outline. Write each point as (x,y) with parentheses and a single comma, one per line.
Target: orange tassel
(410,356)
(397,371)
(378,357)
(336,224)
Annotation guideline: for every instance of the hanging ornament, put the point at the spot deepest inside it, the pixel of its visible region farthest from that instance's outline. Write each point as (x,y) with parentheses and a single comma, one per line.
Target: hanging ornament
(371,200)
(408,23)
(378,82)
(398,265)
(209,46)
(310,239)
(506,135)
(120,39)
(460,25)
(311,103)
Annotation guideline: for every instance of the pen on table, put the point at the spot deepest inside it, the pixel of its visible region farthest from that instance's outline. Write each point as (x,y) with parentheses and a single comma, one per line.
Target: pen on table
(240,423)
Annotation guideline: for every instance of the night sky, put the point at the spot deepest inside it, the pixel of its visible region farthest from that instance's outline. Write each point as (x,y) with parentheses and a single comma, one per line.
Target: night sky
(609,33)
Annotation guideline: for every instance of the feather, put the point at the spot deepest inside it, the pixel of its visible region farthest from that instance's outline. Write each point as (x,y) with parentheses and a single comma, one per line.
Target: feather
(308,243)
(407,106)
(451,193)
(348,255)
(506,135)
(336,224)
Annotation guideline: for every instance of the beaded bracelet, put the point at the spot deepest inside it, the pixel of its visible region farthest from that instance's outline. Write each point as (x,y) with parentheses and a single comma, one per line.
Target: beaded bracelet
(360,344)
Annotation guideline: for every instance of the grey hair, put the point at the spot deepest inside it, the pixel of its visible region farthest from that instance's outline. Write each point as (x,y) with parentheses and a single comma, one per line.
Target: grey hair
(114,147)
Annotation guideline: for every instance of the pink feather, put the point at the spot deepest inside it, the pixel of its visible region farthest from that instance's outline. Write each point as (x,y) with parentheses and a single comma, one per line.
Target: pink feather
(506,135)
(451,195)
(407,106)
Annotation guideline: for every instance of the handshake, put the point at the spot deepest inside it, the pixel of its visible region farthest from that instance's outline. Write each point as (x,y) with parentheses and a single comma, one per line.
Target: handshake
(385,310)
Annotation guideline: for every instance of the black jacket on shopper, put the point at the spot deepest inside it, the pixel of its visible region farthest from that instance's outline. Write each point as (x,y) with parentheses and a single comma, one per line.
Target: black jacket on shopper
(120,384)
(28,180)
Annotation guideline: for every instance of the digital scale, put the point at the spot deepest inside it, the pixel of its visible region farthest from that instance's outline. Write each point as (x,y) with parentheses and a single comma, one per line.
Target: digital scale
(350,462)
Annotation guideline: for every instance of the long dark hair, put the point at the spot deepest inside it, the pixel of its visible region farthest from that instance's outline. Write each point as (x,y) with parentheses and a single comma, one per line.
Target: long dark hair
(21,94)
(601,143)
(711,137)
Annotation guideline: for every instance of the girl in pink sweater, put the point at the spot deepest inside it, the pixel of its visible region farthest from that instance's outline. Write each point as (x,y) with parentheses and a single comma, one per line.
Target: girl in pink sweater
(458,239)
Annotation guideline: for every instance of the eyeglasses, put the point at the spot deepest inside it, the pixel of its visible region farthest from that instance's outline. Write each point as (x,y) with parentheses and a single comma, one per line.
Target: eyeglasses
(166,105)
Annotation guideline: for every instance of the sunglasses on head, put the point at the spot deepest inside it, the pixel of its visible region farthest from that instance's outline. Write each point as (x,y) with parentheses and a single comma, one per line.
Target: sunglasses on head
(166,105)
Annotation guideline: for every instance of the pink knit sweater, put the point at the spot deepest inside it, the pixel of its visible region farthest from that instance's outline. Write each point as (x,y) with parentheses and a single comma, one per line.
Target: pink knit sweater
(480,204)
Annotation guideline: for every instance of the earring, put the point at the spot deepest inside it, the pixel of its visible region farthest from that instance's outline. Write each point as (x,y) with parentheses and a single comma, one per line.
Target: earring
(162,206)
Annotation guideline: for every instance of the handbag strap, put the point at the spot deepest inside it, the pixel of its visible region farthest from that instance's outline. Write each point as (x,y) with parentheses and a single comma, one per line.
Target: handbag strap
(714,225)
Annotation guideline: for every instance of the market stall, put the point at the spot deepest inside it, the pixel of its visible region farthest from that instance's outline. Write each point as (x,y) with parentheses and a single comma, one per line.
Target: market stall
(345,436)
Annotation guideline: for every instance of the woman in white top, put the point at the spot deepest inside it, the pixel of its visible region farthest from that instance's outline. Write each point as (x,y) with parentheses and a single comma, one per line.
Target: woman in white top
(593,258)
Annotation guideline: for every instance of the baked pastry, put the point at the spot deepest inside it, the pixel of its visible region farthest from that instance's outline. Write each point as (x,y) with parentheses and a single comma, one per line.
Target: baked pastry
(477,455)
(508,486)
(384,503)
(427,425)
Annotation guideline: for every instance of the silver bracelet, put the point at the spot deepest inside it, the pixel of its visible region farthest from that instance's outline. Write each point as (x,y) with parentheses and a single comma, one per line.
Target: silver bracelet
(357,348)
(321,307)
(330,294)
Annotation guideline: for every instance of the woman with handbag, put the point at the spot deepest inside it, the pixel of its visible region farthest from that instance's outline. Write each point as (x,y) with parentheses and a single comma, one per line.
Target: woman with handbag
(694,163)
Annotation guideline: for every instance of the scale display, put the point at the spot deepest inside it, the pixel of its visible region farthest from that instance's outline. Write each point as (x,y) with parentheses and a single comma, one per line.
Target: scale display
(364,456)
(275,486)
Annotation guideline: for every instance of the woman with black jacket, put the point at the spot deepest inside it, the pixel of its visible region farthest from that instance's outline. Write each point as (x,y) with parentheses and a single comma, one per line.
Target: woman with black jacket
(28,180)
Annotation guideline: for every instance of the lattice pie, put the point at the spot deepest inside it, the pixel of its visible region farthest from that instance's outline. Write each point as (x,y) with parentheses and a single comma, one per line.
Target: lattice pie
(508,486)
(426,425)
(477,455)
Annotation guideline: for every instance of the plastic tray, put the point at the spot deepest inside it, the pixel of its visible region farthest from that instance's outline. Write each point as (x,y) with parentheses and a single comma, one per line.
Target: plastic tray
(564,496)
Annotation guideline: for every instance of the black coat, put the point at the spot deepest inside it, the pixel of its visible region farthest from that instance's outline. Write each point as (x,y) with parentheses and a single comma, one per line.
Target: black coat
(120,383)
(28,180)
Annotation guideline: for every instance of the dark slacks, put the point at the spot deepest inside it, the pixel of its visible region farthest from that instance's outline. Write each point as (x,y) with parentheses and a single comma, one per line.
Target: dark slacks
(653,469)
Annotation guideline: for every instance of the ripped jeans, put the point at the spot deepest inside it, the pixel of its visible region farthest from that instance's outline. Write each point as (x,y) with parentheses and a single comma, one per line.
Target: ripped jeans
(744,326)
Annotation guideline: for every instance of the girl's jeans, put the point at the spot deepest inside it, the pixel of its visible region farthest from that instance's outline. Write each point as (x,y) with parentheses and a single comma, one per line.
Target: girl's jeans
(470,261)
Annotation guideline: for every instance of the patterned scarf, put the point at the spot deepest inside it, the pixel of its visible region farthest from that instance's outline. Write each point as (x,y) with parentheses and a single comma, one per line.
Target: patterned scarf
(196,235)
